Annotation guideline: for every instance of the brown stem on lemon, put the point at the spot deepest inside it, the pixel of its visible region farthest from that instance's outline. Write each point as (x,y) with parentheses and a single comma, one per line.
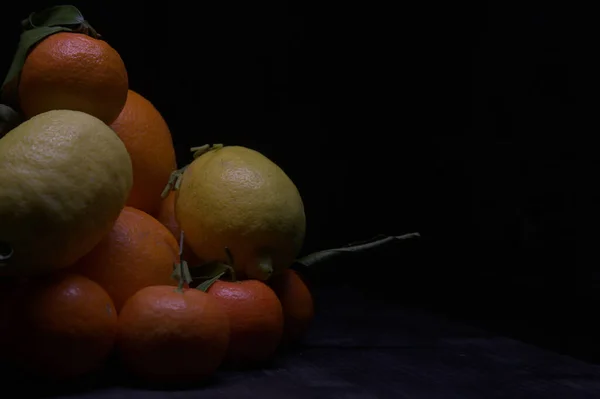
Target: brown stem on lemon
(179,179)
(169,185)
(174,182)
(200,150)
(176,176)
(203,149)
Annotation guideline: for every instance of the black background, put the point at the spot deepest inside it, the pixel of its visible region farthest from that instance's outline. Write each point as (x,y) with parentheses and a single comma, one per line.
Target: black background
(473,123)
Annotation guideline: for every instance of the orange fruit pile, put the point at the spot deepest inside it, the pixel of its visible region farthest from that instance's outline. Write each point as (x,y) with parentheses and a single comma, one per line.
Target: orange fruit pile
(167,304)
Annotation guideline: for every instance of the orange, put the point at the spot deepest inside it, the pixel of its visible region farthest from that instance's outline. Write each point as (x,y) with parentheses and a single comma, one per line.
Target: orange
(138,252)
(62,326)
(297,303)
(255,318)
(168,336)
(73,71)
(148,139)
(166,215)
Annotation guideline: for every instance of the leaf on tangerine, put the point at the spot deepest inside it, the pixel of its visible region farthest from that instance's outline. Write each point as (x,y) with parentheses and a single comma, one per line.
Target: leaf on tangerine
(204,286)
(36,27)
(28,40)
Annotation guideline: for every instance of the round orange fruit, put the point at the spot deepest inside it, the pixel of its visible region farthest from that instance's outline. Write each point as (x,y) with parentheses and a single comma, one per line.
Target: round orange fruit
(73,71)
(148,139)
(170,336)
(62,326)
(297,303)
(138,252)
(255,319)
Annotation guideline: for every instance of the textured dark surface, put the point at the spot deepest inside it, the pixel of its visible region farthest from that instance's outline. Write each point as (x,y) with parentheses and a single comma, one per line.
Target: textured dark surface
(361,347)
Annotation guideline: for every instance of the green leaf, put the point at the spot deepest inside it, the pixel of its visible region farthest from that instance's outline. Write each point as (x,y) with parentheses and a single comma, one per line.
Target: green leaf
(29,39)
(176,275)
(208,273)
(187,277)
(181,272)
(204,286)
(9,119)
(208,270)
(359,247)
(37,27)
(54,16)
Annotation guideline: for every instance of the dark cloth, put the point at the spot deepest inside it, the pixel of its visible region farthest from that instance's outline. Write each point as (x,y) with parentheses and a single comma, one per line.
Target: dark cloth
(362,347)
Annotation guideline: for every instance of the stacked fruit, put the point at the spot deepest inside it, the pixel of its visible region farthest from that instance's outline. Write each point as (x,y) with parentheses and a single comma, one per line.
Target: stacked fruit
(105,247)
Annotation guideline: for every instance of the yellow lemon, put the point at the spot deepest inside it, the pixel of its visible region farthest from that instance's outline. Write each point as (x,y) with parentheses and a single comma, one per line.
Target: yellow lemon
(64,178)
(235,198)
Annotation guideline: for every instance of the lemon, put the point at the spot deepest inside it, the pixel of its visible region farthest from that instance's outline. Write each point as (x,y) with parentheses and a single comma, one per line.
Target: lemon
(234,198)
(64,178)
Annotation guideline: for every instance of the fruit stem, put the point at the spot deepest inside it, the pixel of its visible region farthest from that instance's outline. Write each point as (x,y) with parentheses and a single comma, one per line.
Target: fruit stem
(230,268)
(265,267)
(174,182)
(181,270)
(203,149)
(176,176)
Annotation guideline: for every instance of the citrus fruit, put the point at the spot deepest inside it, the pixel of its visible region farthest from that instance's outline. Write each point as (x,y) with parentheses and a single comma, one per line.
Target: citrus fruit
(65,176)
(138,252)
(297,303)
(234,197)
(73,71)
(148,140)
(63,326)
(172,336)
(166,215)
(255,319)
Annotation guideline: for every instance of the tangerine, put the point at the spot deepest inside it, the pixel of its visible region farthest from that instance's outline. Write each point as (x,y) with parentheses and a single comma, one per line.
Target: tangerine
(73,71)
(255,319)
(138,252)
(61,326)
(148,139)
(297,303)
(172,336)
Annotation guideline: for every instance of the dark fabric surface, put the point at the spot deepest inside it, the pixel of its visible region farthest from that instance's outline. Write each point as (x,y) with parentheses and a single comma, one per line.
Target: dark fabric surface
(362,347)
